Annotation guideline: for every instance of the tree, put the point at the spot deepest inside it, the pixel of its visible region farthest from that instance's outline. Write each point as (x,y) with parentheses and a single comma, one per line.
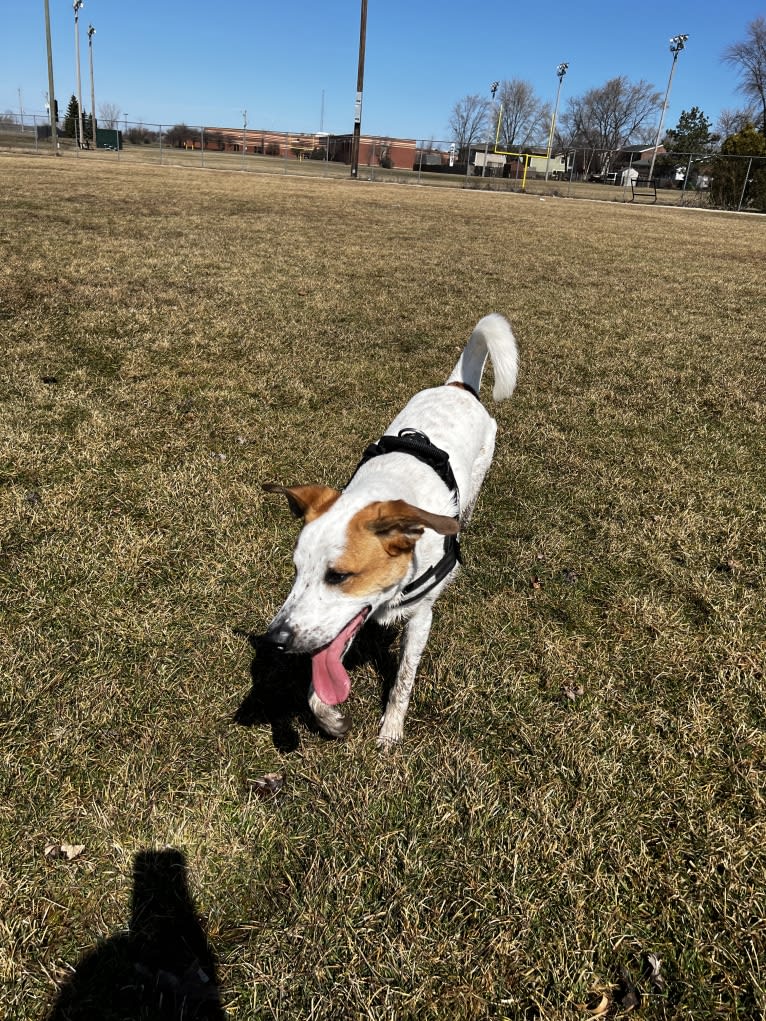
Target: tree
(70,119)
(692,134)
(108,115)
(749,59)
(524,117)
(732,121)
(178,135)
(744,179)
(607,118)
(468,123)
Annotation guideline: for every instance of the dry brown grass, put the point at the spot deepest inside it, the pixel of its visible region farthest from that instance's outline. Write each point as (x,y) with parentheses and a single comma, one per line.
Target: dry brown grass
(583,777)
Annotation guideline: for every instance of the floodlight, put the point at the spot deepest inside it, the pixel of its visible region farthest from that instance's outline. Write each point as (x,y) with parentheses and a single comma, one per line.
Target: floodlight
(676,45)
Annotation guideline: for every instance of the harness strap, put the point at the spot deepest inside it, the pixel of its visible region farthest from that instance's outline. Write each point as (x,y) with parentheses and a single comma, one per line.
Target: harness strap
(417,444)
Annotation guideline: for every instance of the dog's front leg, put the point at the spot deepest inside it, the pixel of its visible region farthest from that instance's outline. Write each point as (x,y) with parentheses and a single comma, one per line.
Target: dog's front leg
(413,642)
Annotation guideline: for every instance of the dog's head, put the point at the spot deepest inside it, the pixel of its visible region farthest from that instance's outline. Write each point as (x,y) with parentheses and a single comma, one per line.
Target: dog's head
(351,558)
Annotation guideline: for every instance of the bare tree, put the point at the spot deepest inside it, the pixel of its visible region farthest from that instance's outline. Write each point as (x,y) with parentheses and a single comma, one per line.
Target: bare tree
(524,117)
(730,122)
(607,118)
(749,59)
(468,123)
(108,115)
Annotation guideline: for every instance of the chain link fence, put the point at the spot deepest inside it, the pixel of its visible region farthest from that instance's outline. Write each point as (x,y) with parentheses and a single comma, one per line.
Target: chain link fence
(677,179)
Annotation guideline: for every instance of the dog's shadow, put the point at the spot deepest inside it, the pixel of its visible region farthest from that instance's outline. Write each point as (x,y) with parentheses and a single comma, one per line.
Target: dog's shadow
(280,683)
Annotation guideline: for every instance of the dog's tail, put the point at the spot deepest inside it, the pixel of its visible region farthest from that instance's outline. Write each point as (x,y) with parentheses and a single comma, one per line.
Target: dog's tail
(492,336)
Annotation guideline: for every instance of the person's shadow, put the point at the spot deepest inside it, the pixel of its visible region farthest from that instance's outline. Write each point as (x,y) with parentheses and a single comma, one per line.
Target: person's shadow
(280,683)
(161,969)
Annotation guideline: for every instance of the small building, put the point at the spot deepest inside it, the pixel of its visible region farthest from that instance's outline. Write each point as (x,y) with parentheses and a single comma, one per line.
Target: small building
(636,157)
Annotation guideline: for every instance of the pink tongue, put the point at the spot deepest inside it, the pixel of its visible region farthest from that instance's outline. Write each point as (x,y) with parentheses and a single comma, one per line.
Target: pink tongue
(328,675)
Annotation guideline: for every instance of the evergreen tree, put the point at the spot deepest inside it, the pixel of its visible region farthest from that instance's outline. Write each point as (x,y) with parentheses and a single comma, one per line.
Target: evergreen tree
(692,134)
(70,118)
(742,179)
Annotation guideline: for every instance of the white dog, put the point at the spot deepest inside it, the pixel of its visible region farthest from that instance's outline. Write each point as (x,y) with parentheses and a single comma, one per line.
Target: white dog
(386,546)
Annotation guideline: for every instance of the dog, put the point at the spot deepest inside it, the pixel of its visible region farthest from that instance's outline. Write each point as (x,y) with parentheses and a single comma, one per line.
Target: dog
(386,546)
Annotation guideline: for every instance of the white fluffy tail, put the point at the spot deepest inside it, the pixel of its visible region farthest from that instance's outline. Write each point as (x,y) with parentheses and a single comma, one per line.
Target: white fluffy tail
(492,336)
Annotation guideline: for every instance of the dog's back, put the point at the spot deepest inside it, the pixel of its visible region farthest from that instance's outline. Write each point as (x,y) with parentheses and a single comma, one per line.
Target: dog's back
(453,417)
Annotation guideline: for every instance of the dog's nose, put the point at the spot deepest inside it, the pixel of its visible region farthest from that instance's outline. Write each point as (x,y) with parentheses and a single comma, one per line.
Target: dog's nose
(280,635)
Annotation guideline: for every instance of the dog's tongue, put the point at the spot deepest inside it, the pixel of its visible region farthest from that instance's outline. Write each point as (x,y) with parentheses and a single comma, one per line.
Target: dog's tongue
(331,682)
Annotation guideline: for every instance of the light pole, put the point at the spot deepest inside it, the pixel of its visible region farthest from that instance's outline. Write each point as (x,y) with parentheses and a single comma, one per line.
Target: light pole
(493,89)
(677,43)
(359,89)
(91,33)
(244,128)
(76,5)
(561,70)
(51,93)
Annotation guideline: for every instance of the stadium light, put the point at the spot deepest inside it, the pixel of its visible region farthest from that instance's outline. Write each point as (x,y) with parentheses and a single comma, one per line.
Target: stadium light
(493,89)
(76,5)
(677,43)
(91,33)
(561,70)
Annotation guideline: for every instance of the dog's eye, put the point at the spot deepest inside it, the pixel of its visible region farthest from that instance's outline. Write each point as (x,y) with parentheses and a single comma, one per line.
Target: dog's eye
(335,577)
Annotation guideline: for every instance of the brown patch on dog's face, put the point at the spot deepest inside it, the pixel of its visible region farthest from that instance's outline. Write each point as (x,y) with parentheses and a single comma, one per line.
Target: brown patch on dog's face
(381,538)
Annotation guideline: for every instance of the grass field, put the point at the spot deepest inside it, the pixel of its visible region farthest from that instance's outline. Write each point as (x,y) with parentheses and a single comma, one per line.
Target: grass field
(575,824)
(197,159)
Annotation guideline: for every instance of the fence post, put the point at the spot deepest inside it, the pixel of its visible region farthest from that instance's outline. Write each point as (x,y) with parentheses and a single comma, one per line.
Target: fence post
(744,185)
(686,178)
(202,146)
(571,173)
(160,127)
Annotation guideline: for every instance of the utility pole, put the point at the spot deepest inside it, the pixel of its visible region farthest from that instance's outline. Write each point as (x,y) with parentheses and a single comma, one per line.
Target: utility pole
(359,90)
(91,33)
(77,4)
(51,93)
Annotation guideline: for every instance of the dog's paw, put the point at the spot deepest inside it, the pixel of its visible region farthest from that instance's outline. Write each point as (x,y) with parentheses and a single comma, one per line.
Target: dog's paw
(332,721)
(390,735)
(387,744)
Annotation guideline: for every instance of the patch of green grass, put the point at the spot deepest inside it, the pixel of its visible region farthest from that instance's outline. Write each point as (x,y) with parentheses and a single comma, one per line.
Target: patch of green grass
(583,775)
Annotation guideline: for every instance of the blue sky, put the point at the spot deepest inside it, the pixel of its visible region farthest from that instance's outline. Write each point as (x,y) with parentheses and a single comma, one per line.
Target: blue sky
(293,66)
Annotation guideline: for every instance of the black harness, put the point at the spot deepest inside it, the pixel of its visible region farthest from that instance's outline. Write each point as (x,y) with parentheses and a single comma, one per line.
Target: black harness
(418,445)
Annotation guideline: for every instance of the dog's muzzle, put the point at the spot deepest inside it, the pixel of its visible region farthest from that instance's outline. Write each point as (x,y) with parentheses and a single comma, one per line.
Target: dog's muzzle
(281,636)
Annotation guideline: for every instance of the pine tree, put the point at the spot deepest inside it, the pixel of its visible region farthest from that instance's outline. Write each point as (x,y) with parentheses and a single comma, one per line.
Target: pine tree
(691,134)
(70,118)
(744,179)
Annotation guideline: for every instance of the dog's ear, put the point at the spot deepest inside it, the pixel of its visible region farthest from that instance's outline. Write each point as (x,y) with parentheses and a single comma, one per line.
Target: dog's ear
(399,525)
(306,502)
